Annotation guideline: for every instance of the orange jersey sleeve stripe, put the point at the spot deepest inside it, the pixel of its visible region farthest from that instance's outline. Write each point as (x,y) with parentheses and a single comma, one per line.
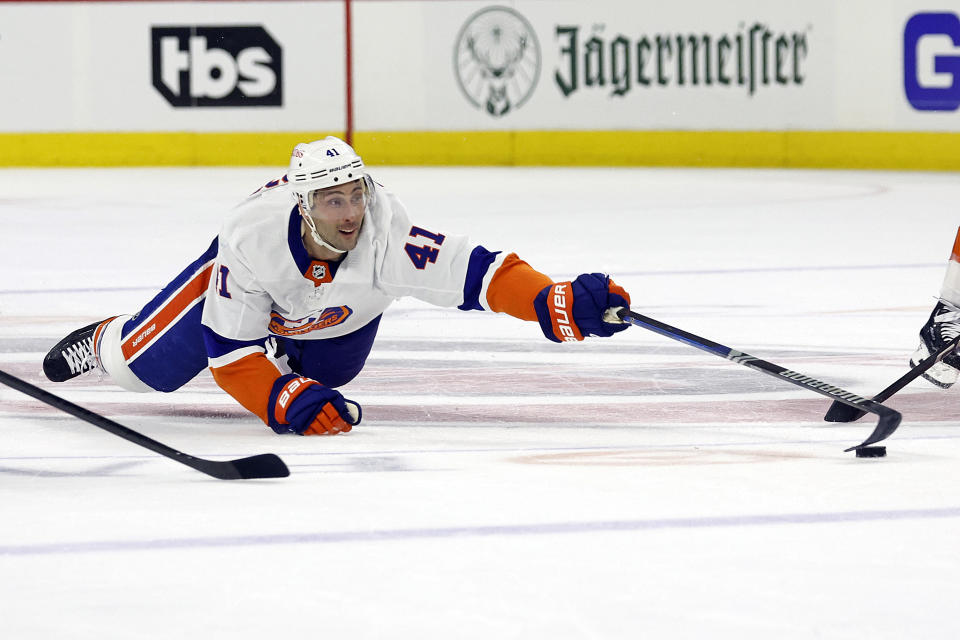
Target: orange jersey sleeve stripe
(249,380)
(955,254)
(154,327)
(514,287)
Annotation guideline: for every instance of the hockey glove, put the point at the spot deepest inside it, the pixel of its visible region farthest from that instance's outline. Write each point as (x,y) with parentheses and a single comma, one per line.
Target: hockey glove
(570,311)
(942,327)
(304,406)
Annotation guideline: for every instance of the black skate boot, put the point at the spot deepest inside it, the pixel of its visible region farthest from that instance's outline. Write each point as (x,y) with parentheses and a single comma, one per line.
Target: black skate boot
(942,327)
(72,356)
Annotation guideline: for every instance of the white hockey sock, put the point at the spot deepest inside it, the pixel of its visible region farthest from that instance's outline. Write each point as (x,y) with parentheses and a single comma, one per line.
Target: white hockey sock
(112,360)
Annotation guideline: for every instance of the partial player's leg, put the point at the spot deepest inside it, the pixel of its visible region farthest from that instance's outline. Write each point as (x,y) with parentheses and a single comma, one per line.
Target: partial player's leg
(943,326)
(160,348)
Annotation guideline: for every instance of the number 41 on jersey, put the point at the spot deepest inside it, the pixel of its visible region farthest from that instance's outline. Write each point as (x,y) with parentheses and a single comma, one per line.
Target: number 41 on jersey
(426,253)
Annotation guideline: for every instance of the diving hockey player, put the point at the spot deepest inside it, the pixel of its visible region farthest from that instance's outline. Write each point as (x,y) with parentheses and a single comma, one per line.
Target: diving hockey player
(284,305)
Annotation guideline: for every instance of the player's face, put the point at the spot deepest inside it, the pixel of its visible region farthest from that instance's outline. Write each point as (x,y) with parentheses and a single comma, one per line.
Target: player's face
(338,213)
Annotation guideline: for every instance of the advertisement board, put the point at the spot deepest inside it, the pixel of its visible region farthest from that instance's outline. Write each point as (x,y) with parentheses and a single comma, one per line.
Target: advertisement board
(172,66)
(740,82)
(578,65)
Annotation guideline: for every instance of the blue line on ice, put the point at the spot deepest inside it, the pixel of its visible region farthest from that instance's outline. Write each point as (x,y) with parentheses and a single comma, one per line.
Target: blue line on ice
(391,535)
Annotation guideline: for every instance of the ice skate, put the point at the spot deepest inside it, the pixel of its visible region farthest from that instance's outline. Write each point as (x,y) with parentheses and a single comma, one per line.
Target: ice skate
(943,326)
(72,356)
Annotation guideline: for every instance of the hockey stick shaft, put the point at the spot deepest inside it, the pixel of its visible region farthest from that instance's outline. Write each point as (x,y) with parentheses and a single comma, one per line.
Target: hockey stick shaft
(262,466)
(839,412)
(888,419)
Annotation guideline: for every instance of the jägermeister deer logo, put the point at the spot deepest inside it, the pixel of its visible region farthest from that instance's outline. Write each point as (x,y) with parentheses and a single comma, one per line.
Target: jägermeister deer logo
(497,60)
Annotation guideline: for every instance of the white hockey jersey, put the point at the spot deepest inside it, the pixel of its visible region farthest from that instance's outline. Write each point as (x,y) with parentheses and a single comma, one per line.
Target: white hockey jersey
(266,284)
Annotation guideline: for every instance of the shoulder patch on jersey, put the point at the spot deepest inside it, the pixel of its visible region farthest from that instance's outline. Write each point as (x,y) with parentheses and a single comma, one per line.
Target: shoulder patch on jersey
(271,185)
(329,317)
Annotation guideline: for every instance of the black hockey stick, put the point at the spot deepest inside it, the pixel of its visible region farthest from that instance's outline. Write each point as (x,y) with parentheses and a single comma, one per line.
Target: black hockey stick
(888,419)
(265,465)
(839,412)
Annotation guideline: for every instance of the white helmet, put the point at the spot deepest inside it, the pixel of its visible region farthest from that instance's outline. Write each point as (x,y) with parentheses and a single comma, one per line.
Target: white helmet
(321,164)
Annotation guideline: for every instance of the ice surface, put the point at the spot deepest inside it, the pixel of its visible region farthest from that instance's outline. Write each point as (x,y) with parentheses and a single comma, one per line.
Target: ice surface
(502,486)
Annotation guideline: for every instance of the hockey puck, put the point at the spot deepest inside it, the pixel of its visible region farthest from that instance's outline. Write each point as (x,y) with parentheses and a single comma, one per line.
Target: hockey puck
(871,452)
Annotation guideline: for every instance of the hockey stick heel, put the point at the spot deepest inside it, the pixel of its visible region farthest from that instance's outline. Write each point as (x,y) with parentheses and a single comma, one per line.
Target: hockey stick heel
(265,465)
(839,412)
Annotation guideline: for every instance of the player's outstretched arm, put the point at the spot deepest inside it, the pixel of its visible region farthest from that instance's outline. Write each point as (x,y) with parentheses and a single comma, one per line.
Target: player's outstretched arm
(566,311)
(570,311)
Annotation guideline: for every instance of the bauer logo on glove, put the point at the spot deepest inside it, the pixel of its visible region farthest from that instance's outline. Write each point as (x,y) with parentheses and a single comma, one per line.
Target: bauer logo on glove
(307,407)
(569,311)
(560,311)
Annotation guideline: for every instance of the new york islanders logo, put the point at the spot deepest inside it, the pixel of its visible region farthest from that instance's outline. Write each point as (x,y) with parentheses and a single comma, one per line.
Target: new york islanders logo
(329,317)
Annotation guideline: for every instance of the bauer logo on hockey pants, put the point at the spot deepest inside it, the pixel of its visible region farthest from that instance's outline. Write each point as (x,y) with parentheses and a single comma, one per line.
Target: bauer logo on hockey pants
(237,66)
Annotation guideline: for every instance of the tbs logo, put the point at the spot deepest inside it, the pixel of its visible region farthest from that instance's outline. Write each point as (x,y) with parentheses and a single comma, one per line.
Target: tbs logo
(217,66)
(931,61)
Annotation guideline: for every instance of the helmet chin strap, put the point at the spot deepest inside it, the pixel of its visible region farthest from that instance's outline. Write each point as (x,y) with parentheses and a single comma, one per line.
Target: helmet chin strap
(316,236)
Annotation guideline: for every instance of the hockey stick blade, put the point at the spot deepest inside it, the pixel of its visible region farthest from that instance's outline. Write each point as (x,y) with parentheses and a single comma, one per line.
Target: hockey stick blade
(839,412)
(266,465)
(887,419)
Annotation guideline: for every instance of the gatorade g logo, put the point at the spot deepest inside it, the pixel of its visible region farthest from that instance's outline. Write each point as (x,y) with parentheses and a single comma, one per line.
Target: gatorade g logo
(217,66)
(931,61)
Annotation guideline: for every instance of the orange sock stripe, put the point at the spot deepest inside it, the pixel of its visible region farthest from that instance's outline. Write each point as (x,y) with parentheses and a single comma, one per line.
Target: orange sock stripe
(955,254)
(163,317)
(98,333)
(249,380)
(514,287)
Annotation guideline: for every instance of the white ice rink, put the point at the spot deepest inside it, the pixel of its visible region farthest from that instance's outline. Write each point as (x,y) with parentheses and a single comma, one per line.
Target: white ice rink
(502,486)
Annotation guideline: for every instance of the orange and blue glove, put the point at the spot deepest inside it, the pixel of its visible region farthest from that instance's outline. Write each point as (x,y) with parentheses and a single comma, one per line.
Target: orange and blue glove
(570,311)
(304,406)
